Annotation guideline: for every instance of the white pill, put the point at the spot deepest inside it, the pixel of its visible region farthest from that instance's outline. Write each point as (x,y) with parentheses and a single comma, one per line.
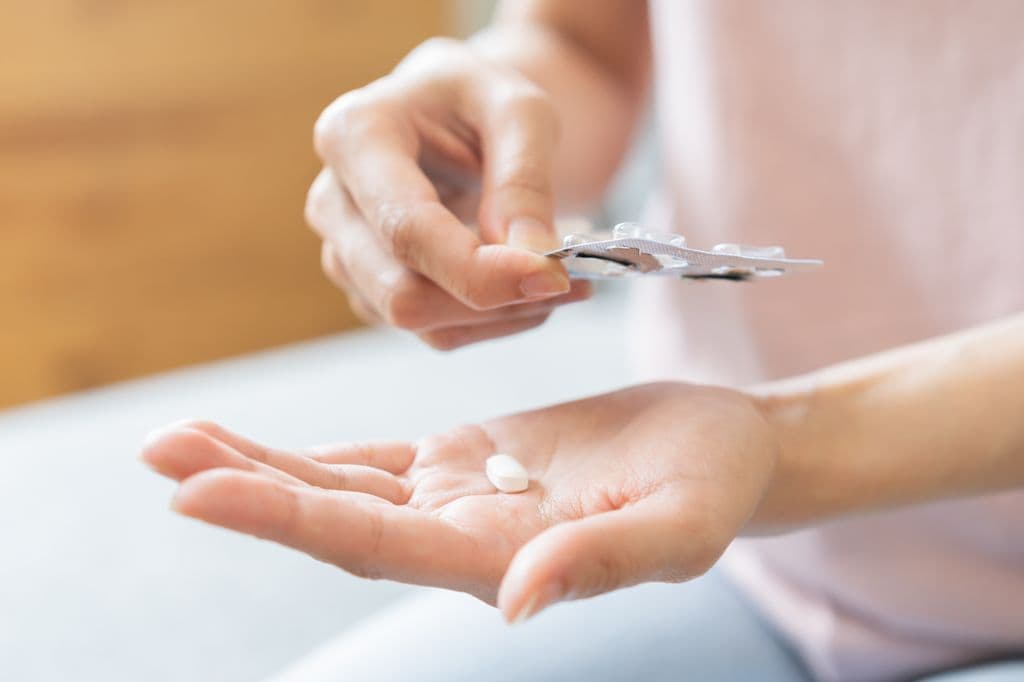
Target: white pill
(666,238)
(627,231)
(749,251)
(576,239)
(507,474)
(727,249)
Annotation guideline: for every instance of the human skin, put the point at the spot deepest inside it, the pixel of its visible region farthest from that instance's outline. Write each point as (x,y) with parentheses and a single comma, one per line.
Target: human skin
(650,483)
(487,132)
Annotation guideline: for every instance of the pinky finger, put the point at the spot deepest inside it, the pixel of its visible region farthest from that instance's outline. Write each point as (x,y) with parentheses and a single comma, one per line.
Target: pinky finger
(332,267)
(450,338)
(363,310)
(335,271)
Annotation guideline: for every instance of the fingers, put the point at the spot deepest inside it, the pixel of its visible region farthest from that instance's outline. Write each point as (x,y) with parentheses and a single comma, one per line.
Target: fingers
(379,286)
(393,456)
(412,302)
(332,266)
(332,476)
(451,338)
(183,450)
(520,134)
(369,540)
(373,148)
(424,235)
(648,540)
(453,321)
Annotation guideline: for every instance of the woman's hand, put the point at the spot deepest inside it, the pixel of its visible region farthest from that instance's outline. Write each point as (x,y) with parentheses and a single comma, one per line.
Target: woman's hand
(446,141)
(645,484)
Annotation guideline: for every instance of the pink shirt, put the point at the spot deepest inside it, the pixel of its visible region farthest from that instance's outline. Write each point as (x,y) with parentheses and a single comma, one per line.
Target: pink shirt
(886,137)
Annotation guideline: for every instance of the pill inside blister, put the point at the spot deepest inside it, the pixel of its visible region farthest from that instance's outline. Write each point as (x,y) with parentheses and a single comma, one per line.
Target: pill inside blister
(749,251)
(575,239)
(627,231)
(631,251)
(666,238)
(506,473)
(597,268)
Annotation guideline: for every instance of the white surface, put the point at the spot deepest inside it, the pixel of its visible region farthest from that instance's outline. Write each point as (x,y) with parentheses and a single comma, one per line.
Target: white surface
(99,581)
(507,474)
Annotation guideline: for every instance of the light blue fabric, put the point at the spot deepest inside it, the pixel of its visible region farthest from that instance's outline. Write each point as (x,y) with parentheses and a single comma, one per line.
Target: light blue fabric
(1005,671)
(699,631)
(702,630)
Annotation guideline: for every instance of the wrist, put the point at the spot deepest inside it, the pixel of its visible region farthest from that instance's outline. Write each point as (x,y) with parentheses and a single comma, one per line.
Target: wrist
(826,425)
(798,491)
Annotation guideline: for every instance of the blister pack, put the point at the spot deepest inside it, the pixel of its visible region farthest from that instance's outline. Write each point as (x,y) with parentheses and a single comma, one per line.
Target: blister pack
(632,251)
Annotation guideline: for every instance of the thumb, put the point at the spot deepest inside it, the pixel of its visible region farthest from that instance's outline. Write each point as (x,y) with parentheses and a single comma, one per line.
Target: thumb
(519,134)
(645,541)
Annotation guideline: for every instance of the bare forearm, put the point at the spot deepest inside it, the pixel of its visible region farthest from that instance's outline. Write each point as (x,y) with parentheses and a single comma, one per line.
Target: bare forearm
(935,420)
(594,64)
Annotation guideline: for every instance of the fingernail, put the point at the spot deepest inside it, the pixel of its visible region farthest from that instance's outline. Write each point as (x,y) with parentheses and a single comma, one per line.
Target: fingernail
(544,283)
(538,601)
(530,234)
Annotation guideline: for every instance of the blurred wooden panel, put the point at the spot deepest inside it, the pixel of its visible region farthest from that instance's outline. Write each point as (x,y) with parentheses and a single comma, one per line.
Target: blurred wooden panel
(154,158)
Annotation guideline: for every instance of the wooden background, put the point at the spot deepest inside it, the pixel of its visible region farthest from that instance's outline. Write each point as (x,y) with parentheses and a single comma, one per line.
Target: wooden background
(154,158)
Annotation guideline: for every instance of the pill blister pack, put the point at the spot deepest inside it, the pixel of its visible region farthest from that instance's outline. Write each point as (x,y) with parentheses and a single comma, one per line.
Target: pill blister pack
(632,251)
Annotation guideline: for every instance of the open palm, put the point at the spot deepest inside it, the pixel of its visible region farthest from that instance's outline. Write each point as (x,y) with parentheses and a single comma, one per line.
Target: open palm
(648,483)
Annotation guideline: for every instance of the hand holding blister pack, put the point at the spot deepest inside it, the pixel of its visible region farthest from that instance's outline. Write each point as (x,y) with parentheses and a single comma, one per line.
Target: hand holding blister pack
(631,251)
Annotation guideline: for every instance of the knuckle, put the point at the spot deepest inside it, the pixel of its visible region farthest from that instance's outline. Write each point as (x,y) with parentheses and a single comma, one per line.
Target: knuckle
(469,290)
(317,202)
(472,292)
(362,453)
(312,212)
(402,306)
(343,118)
(476,286)
(359,453)
(329,261)
(329,127)
(338,477)
(437,44)
(367,565)
(361,309)
(528,182)
(531,100)
(397,225)
(524,100)
(291,523)
(335,272)
(436,58)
